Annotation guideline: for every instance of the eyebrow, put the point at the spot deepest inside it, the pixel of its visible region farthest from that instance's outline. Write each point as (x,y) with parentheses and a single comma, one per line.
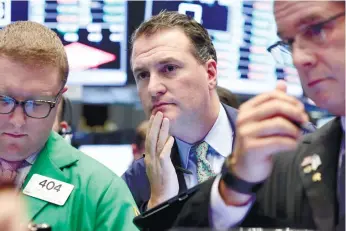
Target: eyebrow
(160,63)
(305,20)
(138,69)
(168,60)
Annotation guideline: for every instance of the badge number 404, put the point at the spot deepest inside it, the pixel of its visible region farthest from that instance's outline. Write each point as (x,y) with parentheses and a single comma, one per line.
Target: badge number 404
(50,185)
(48,189)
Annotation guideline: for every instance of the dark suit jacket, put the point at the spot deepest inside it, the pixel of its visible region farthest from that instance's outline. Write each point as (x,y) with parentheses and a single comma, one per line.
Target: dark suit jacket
(289,198)
(136,177)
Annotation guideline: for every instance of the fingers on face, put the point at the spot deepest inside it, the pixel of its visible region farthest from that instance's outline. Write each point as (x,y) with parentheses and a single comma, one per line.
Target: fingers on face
(158,134)
(163,135)
(153,132)
(147,140)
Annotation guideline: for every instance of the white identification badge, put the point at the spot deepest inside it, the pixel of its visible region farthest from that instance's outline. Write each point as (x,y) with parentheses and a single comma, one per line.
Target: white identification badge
(48,189)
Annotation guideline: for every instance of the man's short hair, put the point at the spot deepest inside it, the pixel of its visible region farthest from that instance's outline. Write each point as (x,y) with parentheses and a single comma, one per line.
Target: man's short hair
(34,44)
(198,35)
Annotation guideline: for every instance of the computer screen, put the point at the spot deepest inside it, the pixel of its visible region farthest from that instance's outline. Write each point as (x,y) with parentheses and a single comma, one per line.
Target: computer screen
(241,31)
(94,34)
(115,157)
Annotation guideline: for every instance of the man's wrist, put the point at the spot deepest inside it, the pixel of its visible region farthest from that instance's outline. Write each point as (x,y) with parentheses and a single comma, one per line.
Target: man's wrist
(233,198)
(236,183)
(154,201)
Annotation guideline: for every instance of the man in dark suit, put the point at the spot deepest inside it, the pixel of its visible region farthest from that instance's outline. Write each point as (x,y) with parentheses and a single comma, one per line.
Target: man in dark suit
(190,132)
(303,188)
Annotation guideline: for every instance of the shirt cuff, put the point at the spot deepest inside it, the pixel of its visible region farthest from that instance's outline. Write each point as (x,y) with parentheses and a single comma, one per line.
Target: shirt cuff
(224,216)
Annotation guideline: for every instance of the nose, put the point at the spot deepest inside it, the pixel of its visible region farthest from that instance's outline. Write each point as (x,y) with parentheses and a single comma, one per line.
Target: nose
(18,117)
(156,86)
(303,58)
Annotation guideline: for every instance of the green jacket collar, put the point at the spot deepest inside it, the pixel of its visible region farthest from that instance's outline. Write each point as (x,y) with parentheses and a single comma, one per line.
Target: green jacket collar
(56,155)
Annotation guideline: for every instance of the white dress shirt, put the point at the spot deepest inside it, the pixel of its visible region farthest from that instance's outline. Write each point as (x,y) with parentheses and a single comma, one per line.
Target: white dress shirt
(224,216)
(220,138)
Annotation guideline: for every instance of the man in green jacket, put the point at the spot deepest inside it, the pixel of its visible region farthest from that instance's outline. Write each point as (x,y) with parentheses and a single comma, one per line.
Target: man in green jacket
(61,186)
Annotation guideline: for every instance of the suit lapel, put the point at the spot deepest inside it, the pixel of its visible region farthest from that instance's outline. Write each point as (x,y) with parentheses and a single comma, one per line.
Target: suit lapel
(175,157)
(51,159)
(320,184)
(232,117)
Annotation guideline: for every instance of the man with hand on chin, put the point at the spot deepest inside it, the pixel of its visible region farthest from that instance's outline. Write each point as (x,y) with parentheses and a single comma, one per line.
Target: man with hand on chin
(190,133)
(265,187)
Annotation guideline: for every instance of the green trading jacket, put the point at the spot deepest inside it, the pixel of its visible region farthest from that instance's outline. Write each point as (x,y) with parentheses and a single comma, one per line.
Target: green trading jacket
(99,201)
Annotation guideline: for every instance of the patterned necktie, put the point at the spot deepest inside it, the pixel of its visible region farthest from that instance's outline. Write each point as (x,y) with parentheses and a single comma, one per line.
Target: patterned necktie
(204,169)
(8,170)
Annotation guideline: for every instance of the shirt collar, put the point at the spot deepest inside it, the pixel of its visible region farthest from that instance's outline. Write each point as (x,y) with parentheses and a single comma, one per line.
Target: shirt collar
(219,138)
(31,159)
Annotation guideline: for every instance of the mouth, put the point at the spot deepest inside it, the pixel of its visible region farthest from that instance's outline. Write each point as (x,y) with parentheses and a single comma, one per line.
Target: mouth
(14,135)
(159,107)
(315,82)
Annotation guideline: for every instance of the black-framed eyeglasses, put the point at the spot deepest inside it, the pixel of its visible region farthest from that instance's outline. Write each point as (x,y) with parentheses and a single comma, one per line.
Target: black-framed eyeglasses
(315,33)
(38,109)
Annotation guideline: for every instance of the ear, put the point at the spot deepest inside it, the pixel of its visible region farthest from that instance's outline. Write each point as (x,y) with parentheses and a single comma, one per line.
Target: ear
(211,67)
(64,90)
(134,149)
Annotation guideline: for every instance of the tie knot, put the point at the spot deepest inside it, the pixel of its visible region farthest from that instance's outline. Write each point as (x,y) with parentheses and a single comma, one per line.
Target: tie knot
(12,165)
(202,149)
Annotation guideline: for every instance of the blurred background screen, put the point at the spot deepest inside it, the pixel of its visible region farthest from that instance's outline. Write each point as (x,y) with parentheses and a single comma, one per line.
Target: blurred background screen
(241,31)
(93,32)
(116,157)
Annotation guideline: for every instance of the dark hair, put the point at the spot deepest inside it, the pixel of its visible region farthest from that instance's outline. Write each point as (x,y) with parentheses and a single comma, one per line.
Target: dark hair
(198,35)
(227,97)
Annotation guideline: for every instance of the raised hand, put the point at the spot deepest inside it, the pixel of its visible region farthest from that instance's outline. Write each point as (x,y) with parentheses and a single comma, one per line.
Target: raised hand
(264,128)
(160,170)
